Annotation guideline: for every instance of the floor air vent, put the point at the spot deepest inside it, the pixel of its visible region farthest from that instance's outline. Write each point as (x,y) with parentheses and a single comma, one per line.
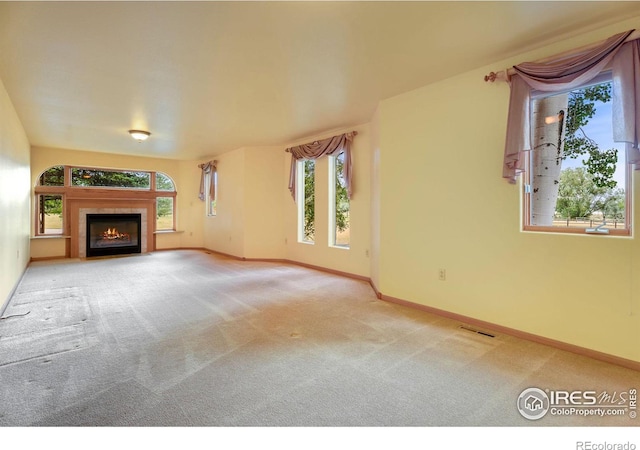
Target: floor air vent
(473,330)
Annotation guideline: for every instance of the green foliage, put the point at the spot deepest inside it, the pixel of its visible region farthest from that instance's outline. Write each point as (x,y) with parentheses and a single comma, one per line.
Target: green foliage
(53,176)
(52,204)
(580,196)
(164,183)
(582,106)
(601,164)
(309,200)
(108,178)
(613,205)
(164,206)
(342,197)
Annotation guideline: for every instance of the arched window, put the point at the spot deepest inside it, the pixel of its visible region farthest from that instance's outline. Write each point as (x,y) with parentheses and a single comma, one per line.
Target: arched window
(55,183)
(165,205)
(164,182)
(49,202)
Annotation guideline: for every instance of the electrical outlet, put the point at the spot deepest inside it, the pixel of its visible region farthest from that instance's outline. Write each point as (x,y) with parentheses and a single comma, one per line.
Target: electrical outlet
(286,241)
(442,274)
(366,253)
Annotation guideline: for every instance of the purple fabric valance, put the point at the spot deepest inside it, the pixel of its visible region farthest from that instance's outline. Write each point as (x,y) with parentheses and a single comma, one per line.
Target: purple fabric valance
(314,150)
(626,99)
(565,73)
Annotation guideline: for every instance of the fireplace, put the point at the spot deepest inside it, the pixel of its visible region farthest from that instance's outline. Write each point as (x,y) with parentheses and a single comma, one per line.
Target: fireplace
(113,234)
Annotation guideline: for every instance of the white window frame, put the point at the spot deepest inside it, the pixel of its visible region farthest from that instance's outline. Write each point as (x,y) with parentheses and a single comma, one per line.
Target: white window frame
(332,204)
(300,200)
(211,210)
(528,173)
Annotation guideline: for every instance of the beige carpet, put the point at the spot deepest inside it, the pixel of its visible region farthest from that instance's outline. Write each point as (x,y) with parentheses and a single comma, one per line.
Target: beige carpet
(184,338)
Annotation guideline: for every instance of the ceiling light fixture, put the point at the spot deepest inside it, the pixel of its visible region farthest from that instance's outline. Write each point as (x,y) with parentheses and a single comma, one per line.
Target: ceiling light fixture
(139,135)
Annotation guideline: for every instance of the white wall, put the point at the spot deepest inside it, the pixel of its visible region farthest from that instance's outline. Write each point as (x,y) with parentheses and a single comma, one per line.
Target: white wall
(15,198)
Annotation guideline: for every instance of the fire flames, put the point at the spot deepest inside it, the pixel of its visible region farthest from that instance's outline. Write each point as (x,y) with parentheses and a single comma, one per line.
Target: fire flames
(113,234)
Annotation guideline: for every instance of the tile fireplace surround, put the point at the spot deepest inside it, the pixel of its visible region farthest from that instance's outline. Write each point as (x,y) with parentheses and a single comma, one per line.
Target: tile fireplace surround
(82,225)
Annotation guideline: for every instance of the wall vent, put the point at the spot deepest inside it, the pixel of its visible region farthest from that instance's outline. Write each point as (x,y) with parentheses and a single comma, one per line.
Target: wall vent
(473,330)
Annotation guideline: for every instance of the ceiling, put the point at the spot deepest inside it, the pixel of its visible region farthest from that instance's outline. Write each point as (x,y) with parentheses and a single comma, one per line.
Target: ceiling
(209,77)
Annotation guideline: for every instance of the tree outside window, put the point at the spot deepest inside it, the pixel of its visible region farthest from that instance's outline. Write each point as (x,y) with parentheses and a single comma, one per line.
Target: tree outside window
(577,175)
(339,207)
(306,201)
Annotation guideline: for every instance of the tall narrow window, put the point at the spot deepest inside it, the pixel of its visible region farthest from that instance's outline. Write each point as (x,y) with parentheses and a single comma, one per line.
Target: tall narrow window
(49,205)
(164,213)
(306,201)
(49,214)
(165,206)
(212,201)
(339,230)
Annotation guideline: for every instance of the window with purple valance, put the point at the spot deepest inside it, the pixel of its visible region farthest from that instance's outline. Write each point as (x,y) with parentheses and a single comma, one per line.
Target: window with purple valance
(207,168)
(314,150)
(618,54)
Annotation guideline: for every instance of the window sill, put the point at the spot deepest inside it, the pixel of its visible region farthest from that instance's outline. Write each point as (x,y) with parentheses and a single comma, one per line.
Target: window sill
(340,247)
(576,231)
(168,231)
(51,236)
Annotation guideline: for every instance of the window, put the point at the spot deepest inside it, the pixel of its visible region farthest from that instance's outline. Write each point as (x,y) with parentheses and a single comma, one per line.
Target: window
(50,202)
(576,177)
(53,186)
(53,176)
(306,200)
(164,182)
(212,201)
(110,178)
(165,206)
(49,214)
(339,230)
(164,213)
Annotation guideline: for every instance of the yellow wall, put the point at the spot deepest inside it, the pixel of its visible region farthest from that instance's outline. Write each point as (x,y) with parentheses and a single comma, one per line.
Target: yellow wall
(249,222)
(264,223)
(355,260)
(375,199)
(15,198)
(257,217)
(224,232)
(190,208)
(185,174)
(443,204)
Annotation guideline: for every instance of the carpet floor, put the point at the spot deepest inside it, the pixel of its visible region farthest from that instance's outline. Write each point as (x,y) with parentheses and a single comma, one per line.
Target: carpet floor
(188,338)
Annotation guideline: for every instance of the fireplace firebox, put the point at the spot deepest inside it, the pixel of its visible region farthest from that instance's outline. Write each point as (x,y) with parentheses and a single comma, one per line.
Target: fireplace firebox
(113,234)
